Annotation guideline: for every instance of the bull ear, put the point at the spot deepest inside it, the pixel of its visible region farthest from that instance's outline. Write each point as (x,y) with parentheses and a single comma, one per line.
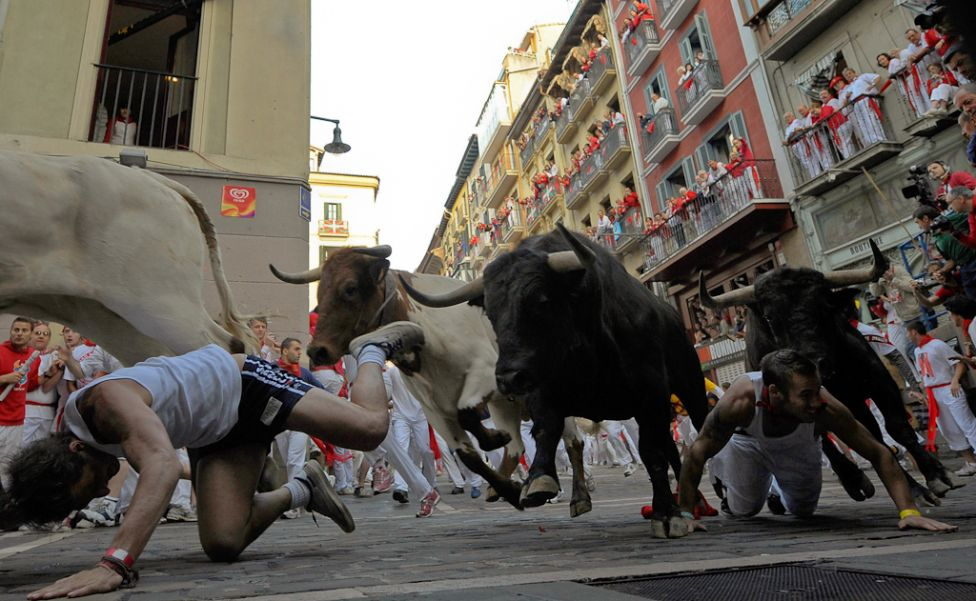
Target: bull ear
(378,270)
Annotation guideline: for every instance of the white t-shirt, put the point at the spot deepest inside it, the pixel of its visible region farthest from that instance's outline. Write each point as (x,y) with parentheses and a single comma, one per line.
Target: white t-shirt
(936,361)
(405,405)
(877,340)
(330,379)
(92,360)
(195,395)
(37,397)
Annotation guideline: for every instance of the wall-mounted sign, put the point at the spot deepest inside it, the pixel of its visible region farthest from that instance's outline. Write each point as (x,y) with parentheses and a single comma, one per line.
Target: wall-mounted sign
(305,204)
(238,201)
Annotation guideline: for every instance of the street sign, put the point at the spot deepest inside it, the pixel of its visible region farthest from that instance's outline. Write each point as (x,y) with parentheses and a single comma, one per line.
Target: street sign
(305,204)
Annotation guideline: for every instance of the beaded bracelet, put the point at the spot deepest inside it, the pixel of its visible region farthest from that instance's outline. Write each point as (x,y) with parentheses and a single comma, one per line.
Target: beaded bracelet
(904,513)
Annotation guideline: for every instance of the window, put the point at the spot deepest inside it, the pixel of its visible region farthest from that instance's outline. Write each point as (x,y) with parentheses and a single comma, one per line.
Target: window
(818,76)
(718,145)
(658,84)
(697,39)
(324,254)
(681,176)
(332,211)
(614,104)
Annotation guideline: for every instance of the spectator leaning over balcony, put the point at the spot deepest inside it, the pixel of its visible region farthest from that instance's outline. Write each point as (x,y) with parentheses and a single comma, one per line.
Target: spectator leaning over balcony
(676,221)
(630,200)
(840,127)
(716,181)
(820,135)
(798,144)
(122,129)
(749,161)
(686,83)
(738,191)
(603,225)
(947,180)
(658,102)
(919,52)
(955,253)
(942,86)
(902,77)
(616,118)
(866,112)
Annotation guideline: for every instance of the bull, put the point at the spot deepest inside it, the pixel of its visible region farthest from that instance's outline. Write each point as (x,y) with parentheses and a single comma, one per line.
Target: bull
(804,310)
(114,251)
(452,376)
(578,336)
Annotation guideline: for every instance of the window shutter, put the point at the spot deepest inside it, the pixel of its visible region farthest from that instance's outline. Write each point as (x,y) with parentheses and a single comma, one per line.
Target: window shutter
(705,35)
(688,168)
(737,124)
(662,195)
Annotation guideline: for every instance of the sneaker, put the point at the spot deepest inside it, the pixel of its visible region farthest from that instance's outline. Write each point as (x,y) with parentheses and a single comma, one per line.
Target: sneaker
(349,490)
(382,479)
(428,502)
(324,498)
(630,470)
(457,490)
(393,338)
(362,492)
(176,513)
(475,492)
(401,496)
(292,514)
(99,513)
(968,469)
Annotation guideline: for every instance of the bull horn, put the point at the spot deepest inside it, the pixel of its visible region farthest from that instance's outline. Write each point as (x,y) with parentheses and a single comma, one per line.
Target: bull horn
(301,277)
(851,277)
(739,296)
(563,261)
(382,251)
(462,294)
(585,255)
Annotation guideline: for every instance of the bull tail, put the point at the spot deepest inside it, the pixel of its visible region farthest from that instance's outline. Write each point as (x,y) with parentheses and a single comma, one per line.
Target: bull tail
(233,322)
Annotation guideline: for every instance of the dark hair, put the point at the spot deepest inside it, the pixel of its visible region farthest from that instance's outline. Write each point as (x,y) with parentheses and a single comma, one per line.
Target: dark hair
(22,319)
(926,211)
(41,476)
(961,305)
(917,326)
(779,367)
(236,346)
(287,342)
(253,320)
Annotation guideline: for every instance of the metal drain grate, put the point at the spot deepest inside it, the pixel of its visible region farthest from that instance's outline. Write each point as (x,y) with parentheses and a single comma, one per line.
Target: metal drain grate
(796,582)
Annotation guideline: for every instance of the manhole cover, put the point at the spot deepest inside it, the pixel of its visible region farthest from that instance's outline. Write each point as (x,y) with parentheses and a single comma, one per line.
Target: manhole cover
(796,582)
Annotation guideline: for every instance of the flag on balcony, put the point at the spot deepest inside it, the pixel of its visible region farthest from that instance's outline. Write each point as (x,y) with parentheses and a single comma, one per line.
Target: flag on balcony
(238,201)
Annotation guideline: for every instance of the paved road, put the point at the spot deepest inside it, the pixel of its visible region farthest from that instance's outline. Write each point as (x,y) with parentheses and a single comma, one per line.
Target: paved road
(475,551)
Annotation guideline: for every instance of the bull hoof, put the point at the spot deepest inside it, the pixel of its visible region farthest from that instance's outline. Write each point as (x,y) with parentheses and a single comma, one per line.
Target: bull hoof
(857,485)
(578,508)
(924,497)
(509,491)
(938,487)
(491,495)
(539,490)
(493,439)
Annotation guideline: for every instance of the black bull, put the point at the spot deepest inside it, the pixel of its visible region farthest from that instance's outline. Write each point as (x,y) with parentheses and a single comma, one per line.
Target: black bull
(798,308)
(578,336)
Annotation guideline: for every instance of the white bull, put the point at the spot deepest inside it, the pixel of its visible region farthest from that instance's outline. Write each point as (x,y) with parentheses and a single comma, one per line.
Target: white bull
(114,251)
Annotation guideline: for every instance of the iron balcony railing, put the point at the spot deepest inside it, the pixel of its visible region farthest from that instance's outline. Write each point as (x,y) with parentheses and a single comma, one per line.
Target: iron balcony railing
(716,202)
(785,12)
(627,229)
(638,41)
(158,108)
(579,96)
(512,222)
(612,143)
(539,131)
(550,192)
(705,78)
(574,189)
(534,210)
(590,168)
(662,124)
(564,119)
(526,152)
(599,66)
(842,136)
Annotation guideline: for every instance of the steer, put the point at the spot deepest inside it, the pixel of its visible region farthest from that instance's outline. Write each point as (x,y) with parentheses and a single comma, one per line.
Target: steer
(803,309)
(115,251)
(452,375)
(578,336)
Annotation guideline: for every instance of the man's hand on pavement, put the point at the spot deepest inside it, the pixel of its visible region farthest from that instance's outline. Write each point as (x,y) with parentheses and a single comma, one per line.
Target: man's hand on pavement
(88,582)
(919,522)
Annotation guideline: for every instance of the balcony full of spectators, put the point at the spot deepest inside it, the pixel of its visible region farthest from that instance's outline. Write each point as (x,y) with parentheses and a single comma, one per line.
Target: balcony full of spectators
(699,89)
(641,44)
(659,135)
(601,71)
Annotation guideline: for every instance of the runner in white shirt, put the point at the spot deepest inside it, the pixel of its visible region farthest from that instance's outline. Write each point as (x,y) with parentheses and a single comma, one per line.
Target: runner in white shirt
(412,433)
(93,361)
(942,369)
(42,402)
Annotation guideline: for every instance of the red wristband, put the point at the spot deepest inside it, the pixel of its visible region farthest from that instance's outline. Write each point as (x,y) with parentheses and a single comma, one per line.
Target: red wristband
(121,555)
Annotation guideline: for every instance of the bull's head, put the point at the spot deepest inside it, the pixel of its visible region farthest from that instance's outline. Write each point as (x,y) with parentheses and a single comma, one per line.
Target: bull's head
(800,309)
(351,291)
(530,296)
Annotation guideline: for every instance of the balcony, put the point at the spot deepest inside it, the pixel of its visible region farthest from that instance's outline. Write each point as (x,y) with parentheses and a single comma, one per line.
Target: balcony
(160,108)
(533,212)
(591,171)
(913,98)
(525,153)
(602,72)
(614,149)
(628,230)
(743,207)
(835,150)
(513,225)
(479,193)
(536,140)
(662,137)
(495,122)
(550,194)
(580,100)
(701,94)
(566,125)
(574,192)
(501,178)
(642,47)
(333,228)
(793,24)
(673,12)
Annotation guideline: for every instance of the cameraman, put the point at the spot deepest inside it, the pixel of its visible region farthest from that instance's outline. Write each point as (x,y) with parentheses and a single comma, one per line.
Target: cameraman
(949,286)
(947,180)
(955,253)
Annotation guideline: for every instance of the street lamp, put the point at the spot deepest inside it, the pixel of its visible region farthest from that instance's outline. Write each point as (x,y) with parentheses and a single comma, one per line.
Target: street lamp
(337,146)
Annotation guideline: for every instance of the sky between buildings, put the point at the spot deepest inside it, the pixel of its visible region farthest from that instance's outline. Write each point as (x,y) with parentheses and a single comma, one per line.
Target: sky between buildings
(408,81)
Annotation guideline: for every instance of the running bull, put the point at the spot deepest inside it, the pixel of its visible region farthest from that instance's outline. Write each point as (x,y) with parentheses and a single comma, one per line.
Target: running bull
(452,376)
(804,310)
(114,251)
(578,336)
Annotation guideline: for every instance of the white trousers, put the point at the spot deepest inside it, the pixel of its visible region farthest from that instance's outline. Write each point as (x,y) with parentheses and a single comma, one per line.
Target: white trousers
(956,422)
(293,447)
(449,461)
(414,436)
(747,470)
(408,472)
(37,427)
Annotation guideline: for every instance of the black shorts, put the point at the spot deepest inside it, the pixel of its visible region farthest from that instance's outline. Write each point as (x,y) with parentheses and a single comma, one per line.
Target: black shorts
(268,395)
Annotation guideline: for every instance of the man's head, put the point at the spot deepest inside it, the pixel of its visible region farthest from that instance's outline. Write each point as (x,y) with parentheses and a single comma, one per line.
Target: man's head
(804,110)
(71,337)
(913,35)
(825,96)
(793,384)
(40,336)
(259,327)
(789,117)
(924,216)
(960,199)
(53,476)
(655,96)
(850,74)
(916,330)
(291,351)
(20,332)
(960,307)
(965,99)
(957,59)
(938,171)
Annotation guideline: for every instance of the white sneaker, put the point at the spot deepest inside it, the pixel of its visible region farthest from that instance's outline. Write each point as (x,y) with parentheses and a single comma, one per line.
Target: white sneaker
(969,469)
(630,470)
(177,513)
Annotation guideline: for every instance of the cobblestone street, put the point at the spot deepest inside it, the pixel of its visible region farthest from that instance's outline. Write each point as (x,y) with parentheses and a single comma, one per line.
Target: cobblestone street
(473,550)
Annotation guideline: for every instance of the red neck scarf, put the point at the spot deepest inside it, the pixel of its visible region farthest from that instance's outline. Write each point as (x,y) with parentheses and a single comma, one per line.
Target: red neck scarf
(292,368)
